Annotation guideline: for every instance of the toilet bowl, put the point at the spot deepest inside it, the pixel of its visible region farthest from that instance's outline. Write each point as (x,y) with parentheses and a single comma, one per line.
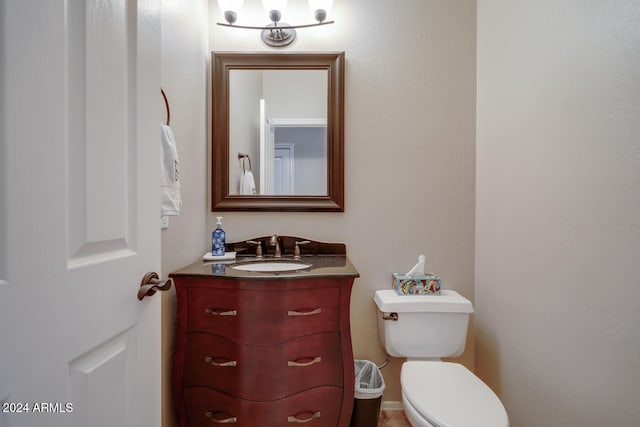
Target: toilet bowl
(424,328)
(436,393)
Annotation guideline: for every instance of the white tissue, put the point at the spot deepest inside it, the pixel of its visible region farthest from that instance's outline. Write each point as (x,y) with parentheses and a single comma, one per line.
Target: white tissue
(418,269)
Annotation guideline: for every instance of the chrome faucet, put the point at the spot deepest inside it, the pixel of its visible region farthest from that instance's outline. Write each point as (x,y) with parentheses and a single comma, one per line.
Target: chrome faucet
(275,241)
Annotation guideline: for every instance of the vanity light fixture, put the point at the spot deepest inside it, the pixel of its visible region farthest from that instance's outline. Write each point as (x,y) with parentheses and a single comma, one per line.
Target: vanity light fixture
(276,34)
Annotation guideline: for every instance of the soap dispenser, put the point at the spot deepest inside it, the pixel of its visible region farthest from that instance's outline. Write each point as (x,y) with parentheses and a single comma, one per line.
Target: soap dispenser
(218,239)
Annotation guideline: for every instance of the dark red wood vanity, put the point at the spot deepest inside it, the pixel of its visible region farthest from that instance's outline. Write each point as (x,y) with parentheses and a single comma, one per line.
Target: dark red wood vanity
(266,349)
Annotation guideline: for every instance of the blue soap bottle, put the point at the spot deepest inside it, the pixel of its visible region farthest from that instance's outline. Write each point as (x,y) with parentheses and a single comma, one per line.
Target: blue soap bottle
(218,239)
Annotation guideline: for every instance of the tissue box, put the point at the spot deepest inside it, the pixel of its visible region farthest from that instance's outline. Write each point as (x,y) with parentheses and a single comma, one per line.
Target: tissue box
(429,284)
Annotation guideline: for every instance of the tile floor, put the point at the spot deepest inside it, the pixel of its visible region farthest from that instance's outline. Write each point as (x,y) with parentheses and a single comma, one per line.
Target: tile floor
(393,419)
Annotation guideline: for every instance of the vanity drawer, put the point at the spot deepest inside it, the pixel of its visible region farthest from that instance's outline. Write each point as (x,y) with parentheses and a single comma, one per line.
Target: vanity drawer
(318,407)
(263,372)
(263,317)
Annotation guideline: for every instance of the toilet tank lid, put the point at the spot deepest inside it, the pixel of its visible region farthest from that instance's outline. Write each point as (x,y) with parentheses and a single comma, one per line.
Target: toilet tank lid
(448,301)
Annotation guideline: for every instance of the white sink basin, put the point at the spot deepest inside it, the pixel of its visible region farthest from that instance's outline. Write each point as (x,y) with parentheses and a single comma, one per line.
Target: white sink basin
(271,266)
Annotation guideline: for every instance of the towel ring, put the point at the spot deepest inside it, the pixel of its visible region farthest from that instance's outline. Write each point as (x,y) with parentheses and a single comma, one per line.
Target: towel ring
(166,104)
(242,157)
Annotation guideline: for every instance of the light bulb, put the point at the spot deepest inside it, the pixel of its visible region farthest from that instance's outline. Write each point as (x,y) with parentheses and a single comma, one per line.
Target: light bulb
(275,8)
(231,9)
(279,5)
(320,8)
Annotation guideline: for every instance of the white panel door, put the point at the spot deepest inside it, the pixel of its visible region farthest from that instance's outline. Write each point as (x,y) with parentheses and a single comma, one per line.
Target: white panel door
(79,212)
(283,173)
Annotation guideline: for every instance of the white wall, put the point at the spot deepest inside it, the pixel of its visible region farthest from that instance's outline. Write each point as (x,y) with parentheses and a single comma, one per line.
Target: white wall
(185,80)
(409,138)
(291,94)
(244,125)
(185,56)
(558,210)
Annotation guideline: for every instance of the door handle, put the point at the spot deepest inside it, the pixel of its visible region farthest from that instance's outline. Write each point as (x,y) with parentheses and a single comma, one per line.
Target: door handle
(151,283)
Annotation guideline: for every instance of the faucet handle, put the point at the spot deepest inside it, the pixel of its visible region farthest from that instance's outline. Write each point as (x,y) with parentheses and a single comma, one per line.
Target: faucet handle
(296,249)
(258,247)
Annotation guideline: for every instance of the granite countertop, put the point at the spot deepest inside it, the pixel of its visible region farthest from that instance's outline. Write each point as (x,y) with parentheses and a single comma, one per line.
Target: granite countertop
(321,266)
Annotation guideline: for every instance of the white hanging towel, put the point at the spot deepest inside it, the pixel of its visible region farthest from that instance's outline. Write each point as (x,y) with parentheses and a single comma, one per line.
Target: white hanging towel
(247,183)
(170,198)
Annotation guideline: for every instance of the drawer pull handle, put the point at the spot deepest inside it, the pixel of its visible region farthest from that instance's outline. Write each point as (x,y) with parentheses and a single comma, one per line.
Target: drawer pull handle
(220,312)
(296,363)
(216,417)
(212,360)
(293,313)
(296,418)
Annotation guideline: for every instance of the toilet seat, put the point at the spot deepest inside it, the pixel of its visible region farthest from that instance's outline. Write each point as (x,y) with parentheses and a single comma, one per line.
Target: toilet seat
(448,394)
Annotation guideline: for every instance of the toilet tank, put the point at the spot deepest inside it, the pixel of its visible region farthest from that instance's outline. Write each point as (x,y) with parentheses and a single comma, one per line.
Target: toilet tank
(427,326)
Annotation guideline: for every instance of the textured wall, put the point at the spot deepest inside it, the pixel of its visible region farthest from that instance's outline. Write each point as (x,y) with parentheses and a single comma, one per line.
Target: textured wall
(558,210)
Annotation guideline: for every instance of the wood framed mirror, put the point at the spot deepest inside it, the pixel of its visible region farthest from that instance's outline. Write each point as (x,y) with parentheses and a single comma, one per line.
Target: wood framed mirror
(277,131)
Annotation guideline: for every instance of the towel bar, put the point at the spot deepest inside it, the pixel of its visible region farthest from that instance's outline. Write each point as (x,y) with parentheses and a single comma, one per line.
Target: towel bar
(242,156)
(166,104)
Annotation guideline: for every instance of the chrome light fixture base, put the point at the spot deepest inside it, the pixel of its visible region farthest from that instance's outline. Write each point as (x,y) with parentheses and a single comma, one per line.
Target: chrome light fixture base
(278,35)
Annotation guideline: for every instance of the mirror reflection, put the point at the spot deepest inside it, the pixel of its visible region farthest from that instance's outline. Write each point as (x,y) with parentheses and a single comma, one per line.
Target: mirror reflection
(278,132)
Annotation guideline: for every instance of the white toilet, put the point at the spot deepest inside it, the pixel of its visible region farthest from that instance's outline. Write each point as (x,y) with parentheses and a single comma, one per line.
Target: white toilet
(424,328)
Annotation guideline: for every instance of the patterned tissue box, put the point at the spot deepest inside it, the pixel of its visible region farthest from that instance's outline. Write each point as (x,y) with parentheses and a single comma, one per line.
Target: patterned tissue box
(429,284)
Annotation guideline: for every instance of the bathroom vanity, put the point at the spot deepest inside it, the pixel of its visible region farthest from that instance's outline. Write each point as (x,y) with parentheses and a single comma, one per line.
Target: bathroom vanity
(265,348)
